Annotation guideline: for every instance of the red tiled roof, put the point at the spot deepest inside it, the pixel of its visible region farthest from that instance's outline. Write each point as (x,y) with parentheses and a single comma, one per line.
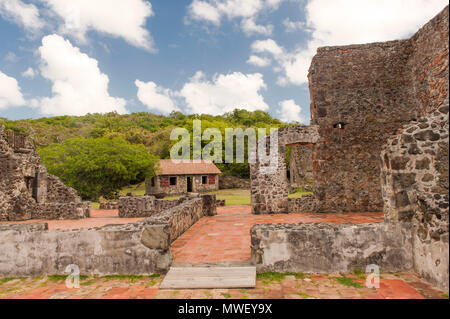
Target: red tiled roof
(169,167)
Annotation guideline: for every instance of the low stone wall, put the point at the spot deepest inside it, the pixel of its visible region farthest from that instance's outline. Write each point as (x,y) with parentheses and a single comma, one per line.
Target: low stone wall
(32,250)
(109,205)
(140,248)
(164,228)
(327,248)
(307,203)
(163,204)
(147,206)
(49,211)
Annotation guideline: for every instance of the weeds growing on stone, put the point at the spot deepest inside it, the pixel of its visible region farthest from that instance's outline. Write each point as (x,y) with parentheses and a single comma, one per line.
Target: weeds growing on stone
(5,280)
(271,276)
(349,282)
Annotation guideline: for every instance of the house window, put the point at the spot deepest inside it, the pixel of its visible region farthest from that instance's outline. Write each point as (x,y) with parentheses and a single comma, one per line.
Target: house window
(153,182)
(212,179)
(204,180)
(173,181)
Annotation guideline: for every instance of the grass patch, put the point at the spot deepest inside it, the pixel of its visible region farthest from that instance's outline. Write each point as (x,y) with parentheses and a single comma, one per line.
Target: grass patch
(87,283)
(137,190)
(56,278)
(228,296)
(349,282)
(130,278)
(271,276)
(444,296)
(358,272)
(6,279)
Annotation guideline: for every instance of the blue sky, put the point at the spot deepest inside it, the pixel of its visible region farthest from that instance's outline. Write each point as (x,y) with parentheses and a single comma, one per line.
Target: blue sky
(72,57)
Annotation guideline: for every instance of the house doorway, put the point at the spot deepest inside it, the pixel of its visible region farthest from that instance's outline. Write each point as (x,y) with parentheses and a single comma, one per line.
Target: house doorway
(189,184)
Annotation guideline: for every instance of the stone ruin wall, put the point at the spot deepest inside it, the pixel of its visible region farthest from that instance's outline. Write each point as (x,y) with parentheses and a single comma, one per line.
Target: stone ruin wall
(414,179)
(269,187)
(27,191)
(148,206)
(140,248)
(373,90)
(408,109)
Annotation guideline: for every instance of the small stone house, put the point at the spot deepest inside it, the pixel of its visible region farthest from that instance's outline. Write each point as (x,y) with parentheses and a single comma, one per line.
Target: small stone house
(180,178)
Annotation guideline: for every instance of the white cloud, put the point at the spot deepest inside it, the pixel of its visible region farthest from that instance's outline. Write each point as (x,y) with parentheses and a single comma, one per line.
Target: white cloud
(224,93)
(26,15)
(250,27)
(201,10)
(29,73)
(343,22)
(155,97)
(117,18)
(78,85)
(258,61)
(292,26)
(213,11)
(10,94)
(269,46)
(290,112)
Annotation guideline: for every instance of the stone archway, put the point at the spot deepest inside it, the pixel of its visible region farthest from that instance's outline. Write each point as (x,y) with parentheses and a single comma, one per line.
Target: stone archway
(269,190)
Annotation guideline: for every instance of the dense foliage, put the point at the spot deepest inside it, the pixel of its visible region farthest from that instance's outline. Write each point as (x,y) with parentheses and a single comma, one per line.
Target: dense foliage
(98,166)
(143,130)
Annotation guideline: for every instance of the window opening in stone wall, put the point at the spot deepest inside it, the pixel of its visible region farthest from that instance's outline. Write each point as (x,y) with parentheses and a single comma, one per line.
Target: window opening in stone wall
(153,182)
(173,181)
(340,126)
(204,180)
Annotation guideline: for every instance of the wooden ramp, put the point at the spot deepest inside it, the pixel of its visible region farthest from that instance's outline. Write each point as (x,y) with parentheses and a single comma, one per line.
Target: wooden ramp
(210,277)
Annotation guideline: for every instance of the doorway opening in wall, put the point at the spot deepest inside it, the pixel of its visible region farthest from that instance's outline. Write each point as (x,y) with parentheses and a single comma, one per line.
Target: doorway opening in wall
(189,184)
(299,168)
(204,180)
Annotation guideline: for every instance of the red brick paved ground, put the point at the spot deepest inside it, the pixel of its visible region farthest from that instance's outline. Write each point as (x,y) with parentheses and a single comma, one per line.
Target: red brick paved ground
(392,286)
(226,237)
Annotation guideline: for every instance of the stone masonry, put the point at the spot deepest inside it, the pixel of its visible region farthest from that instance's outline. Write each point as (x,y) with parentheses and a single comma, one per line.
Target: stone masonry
(139,248)
(414,179)
(27,191)
(382,115)
(269,188)
(360,96)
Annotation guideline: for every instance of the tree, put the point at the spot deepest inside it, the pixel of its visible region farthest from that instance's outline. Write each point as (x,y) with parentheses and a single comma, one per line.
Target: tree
(98,166)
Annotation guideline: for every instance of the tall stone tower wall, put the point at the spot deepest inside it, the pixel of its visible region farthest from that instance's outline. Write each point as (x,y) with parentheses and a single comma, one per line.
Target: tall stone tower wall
(360,96)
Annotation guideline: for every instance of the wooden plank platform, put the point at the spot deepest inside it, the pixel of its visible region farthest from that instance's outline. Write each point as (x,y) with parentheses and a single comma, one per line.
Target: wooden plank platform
(209,277)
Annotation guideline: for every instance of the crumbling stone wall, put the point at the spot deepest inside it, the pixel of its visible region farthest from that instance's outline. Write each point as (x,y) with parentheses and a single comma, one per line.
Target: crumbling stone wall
(139,248)
(32,250)
(360,96)
(58,192)
(269,188)
(148,206)
(27,191)
(301,168)
(415,185)
(143,206)
(327,248)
